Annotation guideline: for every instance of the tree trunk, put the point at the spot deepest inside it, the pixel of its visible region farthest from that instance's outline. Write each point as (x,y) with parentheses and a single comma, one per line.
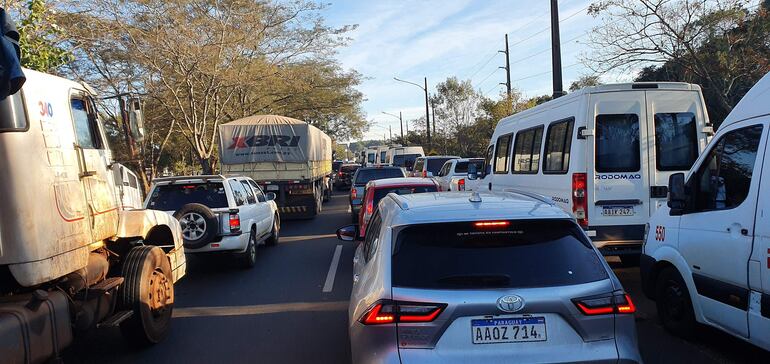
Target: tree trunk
(206,166)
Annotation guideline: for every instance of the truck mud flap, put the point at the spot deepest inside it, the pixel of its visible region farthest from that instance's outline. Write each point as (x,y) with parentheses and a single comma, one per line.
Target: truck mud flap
(34,328)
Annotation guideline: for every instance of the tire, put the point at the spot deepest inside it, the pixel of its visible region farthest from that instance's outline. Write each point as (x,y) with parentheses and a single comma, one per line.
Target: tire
(275,233)
(327,194)
(148,290)
(673,303)
(249,257)
(630,260)
(199,224)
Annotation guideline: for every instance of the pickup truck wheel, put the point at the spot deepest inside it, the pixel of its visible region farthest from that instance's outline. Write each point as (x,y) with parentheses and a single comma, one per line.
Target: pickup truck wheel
(148,290)
(275,233)
(199,224)
(673,302)
(249,257)
(631,260)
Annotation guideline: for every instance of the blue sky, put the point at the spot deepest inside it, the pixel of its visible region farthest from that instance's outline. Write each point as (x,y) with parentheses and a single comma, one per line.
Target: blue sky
(438,39)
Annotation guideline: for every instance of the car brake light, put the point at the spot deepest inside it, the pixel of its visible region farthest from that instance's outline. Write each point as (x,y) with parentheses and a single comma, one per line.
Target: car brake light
(491,224)
(461,184)
(580,198)
(388,312)
(424,174)
(369,209)
(235,222)
(340,174)
(353,193)
(619,303)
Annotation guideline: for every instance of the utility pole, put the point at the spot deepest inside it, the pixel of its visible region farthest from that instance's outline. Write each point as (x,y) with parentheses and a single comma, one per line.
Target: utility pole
(433,110)
(401,119)
(390,132)
(507,68)
(427,115)
(558,87)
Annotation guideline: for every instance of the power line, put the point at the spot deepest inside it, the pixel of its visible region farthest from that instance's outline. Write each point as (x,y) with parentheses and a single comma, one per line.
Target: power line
(549,27)
(543,73)
(486,78)
(482,66)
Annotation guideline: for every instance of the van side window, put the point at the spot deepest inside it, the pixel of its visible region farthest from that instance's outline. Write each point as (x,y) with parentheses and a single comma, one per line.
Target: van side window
(488,160)
(617,143)
(526,150)
(724,179)
(676,141)
(372,237)
(558,143)
(86,130)
(501,154)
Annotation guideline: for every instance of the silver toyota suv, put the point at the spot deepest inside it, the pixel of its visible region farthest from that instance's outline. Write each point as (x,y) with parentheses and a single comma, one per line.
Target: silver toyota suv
(468,277)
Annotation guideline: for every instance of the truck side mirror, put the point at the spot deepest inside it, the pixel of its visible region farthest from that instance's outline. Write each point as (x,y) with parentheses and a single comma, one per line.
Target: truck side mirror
(473,172)
(136,119)
(677,194)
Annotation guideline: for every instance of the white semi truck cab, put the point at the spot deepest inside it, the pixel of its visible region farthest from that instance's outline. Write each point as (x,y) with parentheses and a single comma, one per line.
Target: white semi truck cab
(73,256)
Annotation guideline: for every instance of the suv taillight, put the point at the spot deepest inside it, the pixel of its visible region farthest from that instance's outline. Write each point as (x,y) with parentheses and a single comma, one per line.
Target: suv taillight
(353,193)
(369,209)
(389,312)
(424,174)
(580,198)
(461,184)
(235,222)
(619,303)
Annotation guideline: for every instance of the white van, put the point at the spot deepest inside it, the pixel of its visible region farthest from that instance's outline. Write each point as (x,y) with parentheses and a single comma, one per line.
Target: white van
(370,157)
(707,254)
(382,155)
(607,153)
(404,156)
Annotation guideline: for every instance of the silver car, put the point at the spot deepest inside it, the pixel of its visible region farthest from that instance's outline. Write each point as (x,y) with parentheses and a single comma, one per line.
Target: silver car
(468,277)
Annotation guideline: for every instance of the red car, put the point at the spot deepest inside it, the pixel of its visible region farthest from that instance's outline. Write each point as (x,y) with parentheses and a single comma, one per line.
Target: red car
(377,189)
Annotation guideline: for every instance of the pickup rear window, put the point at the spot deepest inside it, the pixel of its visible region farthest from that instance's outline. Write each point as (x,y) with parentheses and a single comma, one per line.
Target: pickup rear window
(435,164)
(523,254)
(404,190)
(173,197)
(366,175)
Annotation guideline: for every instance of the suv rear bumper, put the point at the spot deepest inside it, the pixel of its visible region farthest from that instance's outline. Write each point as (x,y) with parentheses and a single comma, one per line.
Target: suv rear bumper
(228,243)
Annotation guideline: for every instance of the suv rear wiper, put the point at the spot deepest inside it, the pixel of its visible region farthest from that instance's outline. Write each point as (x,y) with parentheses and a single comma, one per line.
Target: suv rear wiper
(477,280)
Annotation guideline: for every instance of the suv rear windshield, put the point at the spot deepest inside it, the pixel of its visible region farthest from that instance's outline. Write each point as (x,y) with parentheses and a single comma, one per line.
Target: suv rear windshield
(435,164)
(462,167)
(405,160)
(336,166)
(404,190)
(366,175)
(349,169)
(523,254)
(173,197)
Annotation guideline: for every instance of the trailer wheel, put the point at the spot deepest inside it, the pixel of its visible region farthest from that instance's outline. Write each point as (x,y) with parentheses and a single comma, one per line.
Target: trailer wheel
(148,290)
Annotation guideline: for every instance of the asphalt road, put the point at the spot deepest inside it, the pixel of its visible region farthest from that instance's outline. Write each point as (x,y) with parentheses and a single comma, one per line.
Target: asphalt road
(292,308)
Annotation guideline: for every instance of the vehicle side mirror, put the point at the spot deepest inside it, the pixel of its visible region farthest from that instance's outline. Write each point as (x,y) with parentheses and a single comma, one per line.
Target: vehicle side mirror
(473,172)
(136,119)
(348,233)
(270,196)
(677,194)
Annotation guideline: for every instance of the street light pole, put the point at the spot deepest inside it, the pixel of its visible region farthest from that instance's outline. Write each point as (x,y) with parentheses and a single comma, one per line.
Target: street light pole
(400,119)
(427,111)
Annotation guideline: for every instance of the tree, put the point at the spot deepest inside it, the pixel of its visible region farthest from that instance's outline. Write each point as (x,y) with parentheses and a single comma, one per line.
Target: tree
(40,38)
(202,63)
(695,36)
(585,81)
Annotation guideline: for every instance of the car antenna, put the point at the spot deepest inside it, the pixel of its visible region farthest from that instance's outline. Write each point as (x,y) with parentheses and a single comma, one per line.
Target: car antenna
(475,197)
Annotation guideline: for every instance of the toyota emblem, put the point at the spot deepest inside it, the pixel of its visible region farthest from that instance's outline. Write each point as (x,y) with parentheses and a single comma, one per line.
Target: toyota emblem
(510,303)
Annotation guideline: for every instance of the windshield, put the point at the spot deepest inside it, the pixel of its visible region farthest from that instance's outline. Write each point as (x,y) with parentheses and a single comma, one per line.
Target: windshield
(435,164)
(349,169)
(336,166)
(405,160)
(461,255)
(366,175)
(173,197)
(405,190)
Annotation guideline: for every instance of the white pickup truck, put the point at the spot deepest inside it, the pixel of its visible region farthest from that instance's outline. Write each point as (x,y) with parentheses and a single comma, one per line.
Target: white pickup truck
(452,176)
(219,214)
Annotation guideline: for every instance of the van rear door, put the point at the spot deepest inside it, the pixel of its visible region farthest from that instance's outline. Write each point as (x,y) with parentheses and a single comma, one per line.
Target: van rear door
(618,190)
(675,120)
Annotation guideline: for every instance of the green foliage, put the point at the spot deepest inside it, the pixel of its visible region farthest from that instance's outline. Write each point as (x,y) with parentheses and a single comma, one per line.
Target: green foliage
(40,37)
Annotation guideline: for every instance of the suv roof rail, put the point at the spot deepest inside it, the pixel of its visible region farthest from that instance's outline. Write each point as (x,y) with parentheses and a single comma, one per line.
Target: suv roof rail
(205,178)
(400,201)
(531,195)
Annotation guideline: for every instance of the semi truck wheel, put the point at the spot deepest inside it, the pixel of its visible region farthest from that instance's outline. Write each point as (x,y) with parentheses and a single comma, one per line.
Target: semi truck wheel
(148,290)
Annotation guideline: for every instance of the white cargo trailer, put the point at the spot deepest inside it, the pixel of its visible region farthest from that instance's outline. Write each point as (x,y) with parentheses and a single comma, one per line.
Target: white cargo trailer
(287,156)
